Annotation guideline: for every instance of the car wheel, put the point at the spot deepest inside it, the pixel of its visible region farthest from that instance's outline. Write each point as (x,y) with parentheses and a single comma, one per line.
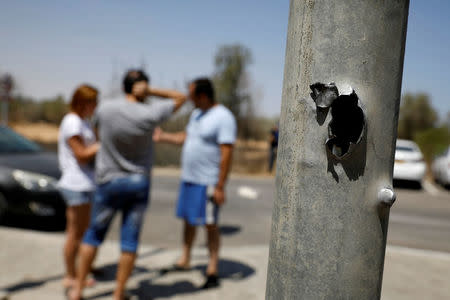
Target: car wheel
(3,207)
(418,185)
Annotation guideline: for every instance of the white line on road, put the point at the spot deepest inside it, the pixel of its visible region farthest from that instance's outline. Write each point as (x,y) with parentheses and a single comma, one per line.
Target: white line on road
(419,252)
(247,192)
(419,220)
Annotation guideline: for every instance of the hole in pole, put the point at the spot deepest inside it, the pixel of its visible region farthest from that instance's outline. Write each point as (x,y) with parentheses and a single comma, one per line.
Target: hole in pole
(347,124)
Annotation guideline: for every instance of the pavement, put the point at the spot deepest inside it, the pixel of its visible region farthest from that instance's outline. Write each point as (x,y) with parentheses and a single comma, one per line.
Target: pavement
(32,268)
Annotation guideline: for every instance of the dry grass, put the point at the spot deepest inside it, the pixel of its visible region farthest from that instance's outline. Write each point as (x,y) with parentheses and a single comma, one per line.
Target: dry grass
(39,132)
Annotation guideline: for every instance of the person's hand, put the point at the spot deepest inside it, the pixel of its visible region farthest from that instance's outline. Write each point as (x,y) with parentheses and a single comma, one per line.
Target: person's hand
(180,96)
(157,134)
(219,196)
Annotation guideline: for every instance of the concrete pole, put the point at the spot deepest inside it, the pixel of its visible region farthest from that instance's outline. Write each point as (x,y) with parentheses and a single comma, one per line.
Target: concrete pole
(341,94)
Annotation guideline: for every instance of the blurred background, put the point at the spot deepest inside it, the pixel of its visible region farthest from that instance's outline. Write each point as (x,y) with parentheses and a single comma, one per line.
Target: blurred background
(48,48)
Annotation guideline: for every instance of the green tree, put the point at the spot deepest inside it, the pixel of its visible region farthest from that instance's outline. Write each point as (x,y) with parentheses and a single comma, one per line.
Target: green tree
(416,114)
(53,110)
(231,79)
(24,109)
(433,141)
(447,121)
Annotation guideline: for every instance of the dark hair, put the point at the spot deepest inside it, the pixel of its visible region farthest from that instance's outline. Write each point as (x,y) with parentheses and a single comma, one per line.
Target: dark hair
(131,77)
(204,86)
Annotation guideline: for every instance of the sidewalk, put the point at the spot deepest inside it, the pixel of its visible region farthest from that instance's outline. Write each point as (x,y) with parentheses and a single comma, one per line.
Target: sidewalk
(31,268)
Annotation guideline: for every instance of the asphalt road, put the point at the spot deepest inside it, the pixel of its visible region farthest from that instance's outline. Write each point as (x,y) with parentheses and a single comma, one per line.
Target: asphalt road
(419,218)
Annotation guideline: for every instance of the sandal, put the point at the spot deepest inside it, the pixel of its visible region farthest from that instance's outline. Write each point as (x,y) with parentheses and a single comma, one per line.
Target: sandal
(212,281)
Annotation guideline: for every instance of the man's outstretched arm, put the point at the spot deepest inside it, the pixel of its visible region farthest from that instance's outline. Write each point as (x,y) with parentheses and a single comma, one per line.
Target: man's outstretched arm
(176,138)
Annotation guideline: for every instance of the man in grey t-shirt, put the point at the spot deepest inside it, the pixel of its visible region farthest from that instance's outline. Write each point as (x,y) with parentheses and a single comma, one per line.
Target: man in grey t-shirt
(123,165)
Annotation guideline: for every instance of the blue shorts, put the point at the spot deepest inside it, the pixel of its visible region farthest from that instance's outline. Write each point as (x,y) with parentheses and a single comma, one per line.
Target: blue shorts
(76,198)
(129,195)
(195,206)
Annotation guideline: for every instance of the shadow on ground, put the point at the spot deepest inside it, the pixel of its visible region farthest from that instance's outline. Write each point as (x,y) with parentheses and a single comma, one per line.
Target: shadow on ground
(229,229)
(149,289)
(102,274)
(29,284)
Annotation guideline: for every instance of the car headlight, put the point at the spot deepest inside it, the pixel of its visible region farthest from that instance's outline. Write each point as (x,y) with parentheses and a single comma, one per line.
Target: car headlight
(33,181)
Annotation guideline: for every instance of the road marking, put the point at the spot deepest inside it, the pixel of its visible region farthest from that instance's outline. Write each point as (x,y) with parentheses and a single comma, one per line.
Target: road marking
(247,192)
(430,188)
(419,252)
(419,220)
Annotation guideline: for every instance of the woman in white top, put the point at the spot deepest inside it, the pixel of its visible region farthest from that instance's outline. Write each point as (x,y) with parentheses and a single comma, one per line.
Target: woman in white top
(77,147)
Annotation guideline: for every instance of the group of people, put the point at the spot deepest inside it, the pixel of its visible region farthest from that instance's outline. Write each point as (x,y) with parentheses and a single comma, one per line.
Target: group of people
(105,155)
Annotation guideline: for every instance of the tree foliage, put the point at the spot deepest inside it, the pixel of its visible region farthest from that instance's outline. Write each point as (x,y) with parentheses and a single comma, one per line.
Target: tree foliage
(418,121)
(416,114)
(231,78)
(433,141)
(24,109)
(231,81)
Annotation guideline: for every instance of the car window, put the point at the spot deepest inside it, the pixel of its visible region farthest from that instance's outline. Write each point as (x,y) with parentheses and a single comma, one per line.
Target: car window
(406,149)
(11,142)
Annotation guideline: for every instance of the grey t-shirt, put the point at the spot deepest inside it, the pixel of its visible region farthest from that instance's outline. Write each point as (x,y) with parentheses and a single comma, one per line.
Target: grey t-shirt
(125,132)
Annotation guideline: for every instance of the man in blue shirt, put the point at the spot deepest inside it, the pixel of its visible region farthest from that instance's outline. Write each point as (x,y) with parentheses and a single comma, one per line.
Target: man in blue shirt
(206,159)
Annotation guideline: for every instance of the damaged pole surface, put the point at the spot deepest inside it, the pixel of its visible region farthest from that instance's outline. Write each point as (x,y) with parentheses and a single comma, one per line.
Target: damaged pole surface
(341,94)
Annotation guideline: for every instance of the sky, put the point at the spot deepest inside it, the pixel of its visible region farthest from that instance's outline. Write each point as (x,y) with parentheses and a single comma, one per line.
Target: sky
(50,47)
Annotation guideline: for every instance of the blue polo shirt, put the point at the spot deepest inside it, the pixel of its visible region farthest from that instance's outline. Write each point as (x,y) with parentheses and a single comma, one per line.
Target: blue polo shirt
(206,131)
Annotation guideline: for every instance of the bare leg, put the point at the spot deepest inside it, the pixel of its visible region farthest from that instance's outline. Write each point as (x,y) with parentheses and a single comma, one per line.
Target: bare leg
(124,270)
(77,222)
(213,236)
(87,256)
(188,240)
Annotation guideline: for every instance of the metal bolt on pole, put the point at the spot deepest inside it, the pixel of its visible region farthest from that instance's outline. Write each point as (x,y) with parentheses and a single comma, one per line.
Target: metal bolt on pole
(341,94)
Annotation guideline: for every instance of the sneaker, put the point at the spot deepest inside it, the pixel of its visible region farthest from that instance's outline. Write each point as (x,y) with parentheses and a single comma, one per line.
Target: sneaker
(212,281)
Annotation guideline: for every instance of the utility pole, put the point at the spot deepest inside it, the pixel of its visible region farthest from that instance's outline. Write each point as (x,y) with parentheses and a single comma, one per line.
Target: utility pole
(338,127)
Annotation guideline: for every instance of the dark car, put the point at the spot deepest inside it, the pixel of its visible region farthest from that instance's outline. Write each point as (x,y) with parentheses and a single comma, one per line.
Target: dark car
(28,177)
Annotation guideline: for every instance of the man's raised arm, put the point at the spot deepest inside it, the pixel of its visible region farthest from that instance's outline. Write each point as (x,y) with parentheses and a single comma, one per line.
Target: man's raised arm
(178,97)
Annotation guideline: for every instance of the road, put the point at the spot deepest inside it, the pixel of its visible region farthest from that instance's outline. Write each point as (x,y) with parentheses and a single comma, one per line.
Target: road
(419,218)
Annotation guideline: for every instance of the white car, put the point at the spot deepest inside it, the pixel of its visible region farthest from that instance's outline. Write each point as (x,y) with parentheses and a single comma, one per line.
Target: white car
(409,164)
(441,168)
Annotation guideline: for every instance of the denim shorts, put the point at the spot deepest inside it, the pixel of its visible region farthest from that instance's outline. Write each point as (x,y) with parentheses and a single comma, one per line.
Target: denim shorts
(128,195)
(75,198)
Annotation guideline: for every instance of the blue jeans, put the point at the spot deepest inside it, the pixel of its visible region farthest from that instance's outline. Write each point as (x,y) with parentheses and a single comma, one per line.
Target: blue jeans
(129,195)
